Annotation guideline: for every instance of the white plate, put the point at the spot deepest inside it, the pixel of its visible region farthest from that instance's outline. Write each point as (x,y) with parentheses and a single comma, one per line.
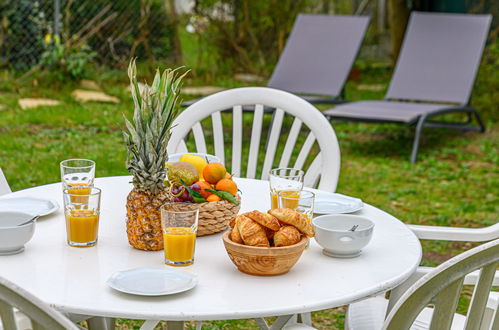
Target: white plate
(328,203)
(30,205)
(148,281)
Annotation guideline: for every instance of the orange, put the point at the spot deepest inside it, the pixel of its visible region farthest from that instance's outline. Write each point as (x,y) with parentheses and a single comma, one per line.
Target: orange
(204,185)
(228,176)
(214,172)
(227,185)
(213,198)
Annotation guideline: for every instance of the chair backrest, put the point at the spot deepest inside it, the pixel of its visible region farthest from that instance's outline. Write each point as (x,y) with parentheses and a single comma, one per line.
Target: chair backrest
(439,58)
(4,185)
(304,125)
(319,54)
(42,316)
(442,288)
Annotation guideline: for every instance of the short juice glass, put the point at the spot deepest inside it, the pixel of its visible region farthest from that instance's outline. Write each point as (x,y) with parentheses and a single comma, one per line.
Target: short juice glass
(284,179)
(179,222)
(78,176)
(302,202)
(82,217)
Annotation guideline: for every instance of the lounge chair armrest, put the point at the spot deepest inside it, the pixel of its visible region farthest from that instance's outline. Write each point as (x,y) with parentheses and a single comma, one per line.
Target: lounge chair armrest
(455,233)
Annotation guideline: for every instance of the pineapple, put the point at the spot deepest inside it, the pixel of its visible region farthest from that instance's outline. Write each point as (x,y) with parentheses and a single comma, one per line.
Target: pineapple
(155,109)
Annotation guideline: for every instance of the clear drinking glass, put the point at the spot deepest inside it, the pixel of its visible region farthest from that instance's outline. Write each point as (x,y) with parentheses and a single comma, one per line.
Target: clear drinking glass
(302,202)
(179,222)
(77,175)
(284,179)
(82,217)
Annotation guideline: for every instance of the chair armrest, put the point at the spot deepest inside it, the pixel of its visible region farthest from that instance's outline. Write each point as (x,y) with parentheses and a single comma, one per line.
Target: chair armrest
(455,233)
(470,279)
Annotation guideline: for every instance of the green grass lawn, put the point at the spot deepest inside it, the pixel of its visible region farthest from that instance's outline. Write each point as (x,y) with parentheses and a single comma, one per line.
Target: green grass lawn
(454,183)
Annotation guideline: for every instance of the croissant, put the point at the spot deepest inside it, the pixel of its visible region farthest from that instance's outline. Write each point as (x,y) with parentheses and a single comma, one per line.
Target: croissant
(294,218)
(269,232)
(251,232)
(264,219)
(235,236)
(287,235)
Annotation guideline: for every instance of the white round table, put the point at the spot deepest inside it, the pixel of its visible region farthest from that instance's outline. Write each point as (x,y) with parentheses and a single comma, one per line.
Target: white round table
(74,280)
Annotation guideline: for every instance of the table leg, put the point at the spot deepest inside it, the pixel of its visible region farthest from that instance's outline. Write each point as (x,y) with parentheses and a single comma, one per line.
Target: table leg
(101,323)
(278,324)
(175,325)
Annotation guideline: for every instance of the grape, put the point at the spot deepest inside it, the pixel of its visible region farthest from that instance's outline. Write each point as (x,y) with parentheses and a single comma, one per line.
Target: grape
(174,190)
(185,195)
(196,187)
(177,199)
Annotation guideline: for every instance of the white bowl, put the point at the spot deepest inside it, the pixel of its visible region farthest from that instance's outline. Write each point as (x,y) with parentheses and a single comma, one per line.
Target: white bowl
(210,158)
(333,233)
(12,236)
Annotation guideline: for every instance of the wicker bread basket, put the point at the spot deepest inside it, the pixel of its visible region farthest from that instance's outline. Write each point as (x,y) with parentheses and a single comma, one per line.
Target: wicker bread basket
(214,217)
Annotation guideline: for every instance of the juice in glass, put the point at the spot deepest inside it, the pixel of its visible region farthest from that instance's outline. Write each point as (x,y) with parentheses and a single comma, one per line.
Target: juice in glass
(179,222)
(82,227)
(179,246)
(289,179)
(79,189)
(290,203)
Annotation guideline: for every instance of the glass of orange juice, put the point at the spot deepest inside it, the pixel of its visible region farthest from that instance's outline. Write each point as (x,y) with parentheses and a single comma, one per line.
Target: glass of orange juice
(78,176)
(82,217)
(179,222)
(302,202)
(284,178)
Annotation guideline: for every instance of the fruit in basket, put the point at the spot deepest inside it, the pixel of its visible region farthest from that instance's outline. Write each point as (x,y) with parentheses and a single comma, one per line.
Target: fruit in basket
(204,185)
(182,172)
(227,185)
(213,198)
(146,138)
(198,162)
(214,172)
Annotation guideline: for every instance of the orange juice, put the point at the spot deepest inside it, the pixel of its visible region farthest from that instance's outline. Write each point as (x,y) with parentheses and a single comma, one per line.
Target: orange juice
(291,203)
(179,246)
(82,227)
(79,189)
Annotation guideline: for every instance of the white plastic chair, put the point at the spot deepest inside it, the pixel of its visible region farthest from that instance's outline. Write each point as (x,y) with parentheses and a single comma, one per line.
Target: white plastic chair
(4,185)
(41,316)
(324,168)
(440,287)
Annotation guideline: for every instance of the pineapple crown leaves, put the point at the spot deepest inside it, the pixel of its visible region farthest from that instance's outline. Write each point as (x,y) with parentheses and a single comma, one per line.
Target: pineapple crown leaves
(147,136)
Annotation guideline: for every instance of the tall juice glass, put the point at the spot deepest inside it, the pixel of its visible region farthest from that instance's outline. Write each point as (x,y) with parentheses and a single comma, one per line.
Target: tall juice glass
(290,179)
(77,175)
(82,217)
(179,222)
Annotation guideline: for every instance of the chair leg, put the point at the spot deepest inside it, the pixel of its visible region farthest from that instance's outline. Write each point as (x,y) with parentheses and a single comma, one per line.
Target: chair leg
(417,137)
(479,120)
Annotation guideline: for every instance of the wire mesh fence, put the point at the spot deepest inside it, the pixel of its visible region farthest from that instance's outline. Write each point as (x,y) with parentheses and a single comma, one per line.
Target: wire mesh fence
(114,30)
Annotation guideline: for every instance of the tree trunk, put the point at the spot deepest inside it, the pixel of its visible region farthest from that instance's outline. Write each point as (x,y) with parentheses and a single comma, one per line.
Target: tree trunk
(398,15)
(177,46)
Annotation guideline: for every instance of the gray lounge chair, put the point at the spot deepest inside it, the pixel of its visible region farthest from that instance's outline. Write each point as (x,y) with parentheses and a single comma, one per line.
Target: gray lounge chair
(318,57)
(438,63)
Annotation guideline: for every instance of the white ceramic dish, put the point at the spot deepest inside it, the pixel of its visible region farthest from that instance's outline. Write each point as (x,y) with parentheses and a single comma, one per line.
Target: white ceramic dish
(334,203)
(210,158)
(148,281)
(12,236)
(33,206)
(333,233)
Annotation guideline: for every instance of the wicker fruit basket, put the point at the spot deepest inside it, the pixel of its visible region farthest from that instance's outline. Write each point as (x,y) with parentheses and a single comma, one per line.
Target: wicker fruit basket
(214,217)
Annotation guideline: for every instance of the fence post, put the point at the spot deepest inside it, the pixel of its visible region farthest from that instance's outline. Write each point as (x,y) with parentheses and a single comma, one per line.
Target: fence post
(57,17)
